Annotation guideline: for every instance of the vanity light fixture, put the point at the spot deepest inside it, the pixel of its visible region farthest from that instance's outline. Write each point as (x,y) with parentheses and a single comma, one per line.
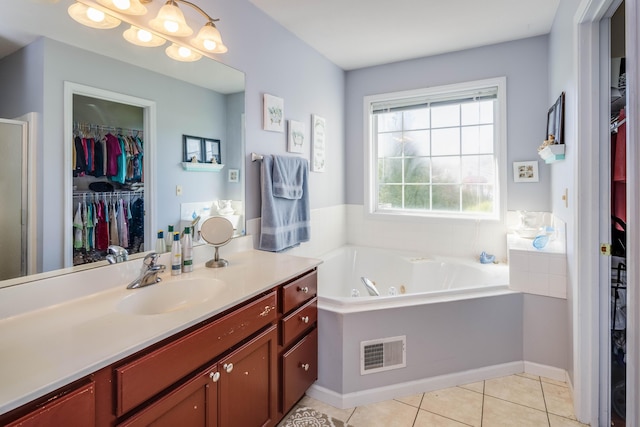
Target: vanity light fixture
(92,17)
(169,21)
(129,7)
(182,53)
(142,37)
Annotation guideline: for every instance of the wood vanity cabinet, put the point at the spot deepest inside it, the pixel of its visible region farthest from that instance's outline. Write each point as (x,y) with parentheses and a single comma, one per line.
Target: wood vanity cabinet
(71,407)
(245,367)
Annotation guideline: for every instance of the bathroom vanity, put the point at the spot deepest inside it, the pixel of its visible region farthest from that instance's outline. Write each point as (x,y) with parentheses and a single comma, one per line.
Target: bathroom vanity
(242,358)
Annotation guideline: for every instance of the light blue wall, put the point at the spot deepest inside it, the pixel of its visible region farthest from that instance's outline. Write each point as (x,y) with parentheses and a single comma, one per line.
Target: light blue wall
(562,77)
(278,63)
(523,62)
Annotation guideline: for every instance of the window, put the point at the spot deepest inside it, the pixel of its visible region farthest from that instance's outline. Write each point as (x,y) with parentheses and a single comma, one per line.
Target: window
(438,151)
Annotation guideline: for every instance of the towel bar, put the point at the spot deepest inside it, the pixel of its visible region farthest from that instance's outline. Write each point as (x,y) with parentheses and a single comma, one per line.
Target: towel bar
(256,156)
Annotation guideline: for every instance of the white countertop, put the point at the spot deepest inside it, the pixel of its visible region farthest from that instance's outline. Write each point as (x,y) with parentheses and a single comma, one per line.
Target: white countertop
(44,349)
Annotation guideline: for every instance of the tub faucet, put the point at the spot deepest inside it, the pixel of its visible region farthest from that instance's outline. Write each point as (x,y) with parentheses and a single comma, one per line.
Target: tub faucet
(371,287)
(149,273)
(116,254)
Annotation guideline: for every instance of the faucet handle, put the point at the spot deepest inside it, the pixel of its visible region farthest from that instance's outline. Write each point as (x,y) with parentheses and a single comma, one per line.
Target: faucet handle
(151,259)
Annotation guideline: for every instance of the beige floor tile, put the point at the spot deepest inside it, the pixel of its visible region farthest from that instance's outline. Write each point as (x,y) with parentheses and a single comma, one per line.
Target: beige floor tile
(384,414)
(455,403)
(558,400)
(556,382)
(516,389)
(530,376)
(477,387)
(500,413)
(337,413)
(413,400)
(556,421)
(427,419)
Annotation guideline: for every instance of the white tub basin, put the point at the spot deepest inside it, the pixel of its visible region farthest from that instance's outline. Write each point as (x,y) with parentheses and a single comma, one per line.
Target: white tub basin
(170,296)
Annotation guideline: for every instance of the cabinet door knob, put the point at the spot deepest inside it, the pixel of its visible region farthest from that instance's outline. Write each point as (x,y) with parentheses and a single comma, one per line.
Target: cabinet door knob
(304,319)
(228,367)
(304,366)
(215,376)
(305,289)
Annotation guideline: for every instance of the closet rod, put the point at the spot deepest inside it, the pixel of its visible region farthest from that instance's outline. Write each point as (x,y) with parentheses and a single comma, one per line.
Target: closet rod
(107,193)
(90,126)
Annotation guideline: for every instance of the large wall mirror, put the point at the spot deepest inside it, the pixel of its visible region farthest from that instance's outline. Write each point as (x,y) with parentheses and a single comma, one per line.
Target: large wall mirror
(46,58)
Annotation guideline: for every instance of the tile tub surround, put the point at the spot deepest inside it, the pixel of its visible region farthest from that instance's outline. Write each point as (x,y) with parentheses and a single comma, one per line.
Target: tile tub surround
(45,348)
(534,271)
(524,400)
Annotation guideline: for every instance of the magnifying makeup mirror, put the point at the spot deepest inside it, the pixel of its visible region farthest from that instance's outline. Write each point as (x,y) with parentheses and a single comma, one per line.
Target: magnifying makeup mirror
(217,231)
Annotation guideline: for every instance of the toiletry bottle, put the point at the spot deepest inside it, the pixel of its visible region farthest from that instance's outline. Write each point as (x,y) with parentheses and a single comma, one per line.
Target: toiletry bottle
(160,245)
(176,256)
(187,251)
(169,239)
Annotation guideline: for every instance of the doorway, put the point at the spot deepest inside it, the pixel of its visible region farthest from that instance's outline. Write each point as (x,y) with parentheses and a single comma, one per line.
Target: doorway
(126,191)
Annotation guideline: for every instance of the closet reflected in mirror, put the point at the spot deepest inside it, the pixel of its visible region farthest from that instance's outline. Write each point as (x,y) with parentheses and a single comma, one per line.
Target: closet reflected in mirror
(108,178)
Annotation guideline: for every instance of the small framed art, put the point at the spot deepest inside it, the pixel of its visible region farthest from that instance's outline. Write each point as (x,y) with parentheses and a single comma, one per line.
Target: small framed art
(318,126)
(296,137)
(525,171)
(273,113)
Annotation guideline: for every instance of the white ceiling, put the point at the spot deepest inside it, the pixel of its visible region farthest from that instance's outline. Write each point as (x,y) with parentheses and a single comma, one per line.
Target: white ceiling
(361,33)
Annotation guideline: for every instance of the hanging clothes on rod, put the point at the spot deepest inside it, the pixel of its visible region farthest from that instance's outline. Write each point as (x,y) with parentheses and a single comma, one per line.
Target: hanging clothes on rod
(100,150)
(104,218)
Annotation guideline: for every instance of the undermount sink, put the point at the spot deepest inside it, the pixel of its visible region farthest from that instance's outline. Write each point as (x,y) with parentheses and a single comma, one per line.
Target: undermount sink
(169,296)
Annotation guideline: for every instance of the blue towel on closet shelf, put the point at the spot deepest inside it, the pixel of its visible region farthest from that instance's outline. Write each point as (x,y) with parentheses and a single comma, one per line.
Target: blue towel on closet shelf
(285,222)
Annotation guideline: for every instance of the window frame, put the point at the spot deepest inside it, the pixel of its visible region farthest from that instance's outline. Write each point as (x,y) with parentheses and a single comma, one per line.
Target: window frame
(500,149)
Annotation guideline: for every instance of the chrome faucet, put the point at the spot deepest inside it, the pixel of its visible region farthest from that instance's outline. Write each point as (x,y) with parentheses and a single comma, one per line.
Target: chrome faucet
(116,254)
(149,273)
(371,287)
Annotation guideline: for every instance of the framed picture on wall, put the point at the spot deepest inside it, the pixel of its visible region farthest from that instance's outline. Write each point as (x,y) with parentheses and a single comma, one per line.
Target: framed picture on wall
(296,137)
(212,151)
(318,126)
(555,120)
(273,113)
(525,171)
(191,148)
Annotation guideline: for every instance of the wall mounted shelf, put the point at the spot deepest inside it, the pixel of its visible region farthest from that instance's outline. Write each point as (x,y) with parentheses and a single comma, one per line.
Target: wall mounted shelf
(201,167)
(552,153)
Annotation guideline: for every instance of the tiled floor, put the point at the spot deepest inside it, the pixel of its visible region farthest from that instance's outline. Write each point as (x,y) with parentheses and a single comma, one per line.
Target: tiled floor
(518,400)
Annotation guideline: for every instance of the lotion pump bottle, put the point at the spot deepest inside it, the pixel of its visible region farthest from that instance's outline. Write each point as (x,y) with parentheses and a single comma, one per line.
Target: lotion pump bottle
(176,256)
(160,245)
(187,251)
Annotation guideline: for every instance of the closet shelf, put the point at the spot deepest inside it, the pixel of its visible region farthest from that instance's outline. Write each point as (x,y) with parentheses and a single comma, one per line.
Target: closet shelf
(552,153)
(202,167)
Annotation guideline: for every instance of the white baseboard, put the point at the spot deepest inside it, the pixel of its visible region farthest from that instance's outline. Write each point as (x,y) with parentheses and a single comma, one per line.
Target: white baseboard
(550,372)
(380,394)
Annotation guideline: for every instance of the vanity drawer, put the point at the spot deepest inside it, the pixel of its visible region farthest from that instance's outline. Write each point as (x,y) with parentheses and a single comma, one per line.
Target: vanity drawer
(299,369)
(299,321)
(299,291)
(148,375)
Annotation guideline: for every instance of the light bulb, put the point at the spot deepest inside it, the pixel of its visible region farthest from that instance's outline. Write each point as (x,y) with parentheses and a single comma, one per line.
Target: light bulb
(95,15)
(171,26)
(122,4)
(144,36)
(184,52)
(210,44)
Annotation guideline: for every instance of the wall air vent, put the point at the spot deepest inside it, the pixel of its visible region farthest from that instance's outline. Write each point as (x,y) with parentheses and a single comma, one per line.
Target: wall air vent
(383,354)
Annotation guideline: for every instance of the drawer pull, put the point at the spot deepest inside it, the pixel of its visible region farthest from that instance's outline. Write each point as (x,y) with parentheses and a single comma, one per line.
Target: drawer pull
(304,319)
(266,311)
(304,366)
(305,290)
(215,376)
(228,367)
